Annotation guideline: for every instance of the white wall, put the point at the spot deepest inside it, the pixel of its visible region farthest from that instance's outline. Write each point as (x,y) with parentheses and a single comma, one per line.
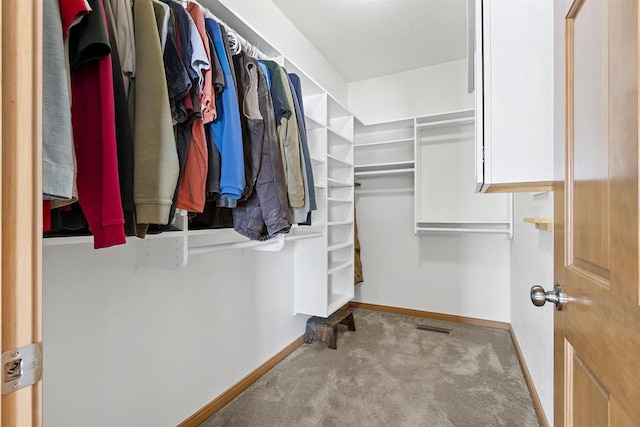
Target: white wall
(532,264)
(150,348)
(419,92)
(269,21)
(458,274)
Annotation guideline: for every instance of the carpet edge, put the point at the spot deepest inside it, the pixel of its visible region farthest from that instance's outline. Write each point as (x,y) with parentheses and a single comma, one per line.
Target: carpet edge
(228,395)
(432,315)
(537,404)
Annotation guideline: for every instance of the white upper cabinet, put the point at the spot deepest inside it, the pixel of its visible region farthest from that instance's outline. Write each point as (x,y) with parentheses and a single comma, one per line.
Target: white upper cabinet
(514,95)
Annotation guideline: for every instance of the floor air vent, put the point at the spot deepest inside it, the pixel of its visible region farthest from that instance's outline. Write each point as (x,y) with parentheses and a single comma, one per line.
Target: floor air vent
(433,329)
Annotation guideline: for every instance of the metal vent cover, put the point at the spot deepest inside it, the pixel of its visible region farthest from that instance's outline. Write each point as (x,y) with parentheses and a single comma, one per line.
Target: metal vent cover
(433,329)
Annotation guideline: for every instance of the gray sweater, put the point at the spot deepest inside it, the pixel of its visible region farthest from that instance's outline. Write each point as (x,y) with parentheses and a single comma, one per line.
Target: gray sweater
(156,165)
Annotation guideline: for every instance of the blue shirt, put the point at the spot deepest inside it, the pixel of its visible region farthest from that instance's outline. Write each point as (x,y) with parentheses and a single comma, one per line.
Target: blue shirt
(226,129)
(267,73)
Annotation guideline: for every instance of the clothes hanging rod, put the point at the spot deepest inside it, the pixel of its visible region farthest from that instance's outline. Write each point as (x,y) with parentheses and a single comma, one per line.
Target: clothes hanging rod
(274,245)
(249,48)
(465,230)
(235,245)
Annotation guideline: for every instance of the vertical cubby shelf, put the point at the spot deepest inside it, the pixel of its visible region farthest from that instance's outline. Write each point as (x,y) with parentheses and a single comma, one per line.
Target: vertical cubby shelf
(315,110)
(324,267)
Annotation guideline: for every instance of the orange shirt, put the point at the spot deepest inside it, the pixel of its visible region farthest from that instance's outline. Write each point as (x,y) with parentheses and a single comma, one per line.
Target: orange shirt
(207,104)
(191,194)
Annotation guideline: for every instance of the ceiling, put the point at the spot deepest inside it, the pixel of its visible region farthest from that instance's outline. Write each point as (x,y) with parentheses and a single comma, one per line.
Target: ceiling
(364,39)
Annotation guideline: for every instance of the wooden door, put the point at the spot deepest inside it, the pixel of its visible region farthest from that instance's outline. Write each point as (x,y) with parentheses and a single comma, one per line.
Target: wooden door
(21,194)
(597,336)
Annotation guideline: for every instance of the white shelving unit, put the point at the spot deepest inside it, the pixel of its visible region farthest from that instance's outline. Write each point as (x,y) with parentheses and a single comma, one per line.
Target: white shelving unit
(445,197)
(323,268)
(385,149)
(438,150)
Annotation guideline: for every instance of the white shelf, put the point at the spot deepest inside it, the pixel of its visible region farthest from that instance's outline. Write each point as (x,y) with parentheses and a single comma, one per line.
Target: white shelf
(335,200)
(365,174)
(340,162)
(408,164)
(332,223)
(385,126)
(373,144)
(340,137)
(313,123)
(339,267)
(338,300)
(446,123)
(339,246)
(88,239)
(336,183)
(449,118)
(70,240)
(317,161)
(336,109)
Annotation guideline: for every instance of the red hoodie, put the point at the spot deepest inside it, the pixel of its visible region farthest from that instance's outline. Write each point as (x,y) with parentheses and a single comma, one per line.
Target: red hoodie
(93,118)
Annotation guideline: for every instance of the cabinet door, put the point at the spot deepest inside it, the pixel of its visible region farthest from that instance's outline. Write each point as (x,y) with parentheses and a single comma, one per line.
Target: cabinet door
(514,95)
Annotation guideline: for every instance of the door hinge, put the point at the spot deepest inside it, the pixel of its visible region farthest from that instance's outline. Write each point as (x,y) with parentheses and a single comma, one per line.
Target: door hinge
(21,368)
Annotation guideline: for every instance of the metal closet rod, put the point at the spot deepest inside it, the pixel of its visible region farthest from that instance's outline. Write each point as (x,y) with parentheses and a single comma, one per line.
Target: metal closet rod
(271,245)
(464,230)
(277,242)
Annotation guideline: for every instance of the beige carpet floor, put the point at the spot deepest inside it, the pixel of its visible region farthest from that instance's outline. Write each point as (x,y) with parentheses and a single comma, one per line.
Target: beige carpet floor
(388,373)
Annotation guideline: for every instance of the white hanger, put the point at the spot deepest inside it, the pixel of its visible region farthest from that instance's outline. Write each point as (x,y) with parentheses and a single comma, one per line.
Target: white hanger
(234,42)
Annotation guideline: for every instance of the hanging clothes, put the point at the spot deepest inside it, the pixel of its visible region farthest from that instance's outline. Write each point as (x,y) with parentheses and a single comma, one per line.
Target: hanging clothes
(221,136)
(124,132)
(57,156)
(287,134)
(226,129)
(357,262)
(303,215)
(125,39)
(265,213)
(178,80)
(92,114)
(71,13)
(251,119)
(191,194)
(207,104)
(297,86)
(156,165)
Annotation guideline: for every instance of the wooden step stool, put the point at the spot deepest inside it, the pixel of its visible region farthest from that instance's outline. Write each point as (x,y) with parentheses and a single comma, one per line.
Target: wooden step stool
(326,329)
